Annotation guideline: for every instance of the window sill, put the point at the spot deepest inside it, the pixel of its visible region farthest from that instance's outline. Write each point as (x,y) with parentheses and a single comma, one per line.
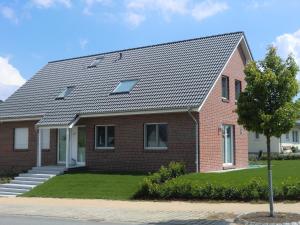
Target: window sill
(156,149)
(21,150)
(226,100)
(105,149)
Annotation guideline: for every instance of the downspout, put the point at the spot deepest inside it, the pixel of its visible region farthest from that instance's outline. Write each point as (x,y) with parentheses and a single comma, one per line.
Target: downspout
(197,139)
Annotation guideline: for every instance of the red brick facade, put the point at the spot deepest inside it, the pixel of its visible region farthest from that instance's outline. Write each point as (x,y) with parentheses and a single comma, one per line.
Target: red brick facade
(18,160)
(129,153)
(215,112)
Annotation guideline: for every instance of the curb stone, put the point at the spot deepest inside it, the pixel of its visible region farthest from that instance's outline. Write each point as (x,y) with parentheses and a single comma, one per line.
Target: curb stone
(238,220)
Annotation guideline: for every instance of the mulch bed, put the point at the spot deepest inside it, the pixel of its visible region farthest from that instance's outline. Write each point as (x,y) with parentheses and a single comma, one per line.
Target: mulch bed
(264,218)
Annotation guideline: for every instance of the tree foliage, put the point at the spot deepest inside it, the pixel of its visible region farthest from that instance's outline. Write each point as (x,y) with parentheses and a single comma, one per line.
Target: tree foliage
(266,105)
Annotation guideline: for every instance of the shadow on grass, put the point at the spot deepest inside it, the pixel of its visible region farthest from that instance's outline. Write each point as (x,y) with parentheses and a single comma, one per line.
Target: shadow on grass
(191,222)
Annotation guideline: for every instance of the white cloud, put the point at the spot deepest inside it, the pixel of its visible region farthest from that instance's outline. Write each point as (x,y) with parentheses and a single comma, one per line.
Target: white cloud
(9,14)
(254,4)
(198,10)
(89,4)
(50,3)
(10,78)
(83,42)
(289,43)
(134,19)
(207,9)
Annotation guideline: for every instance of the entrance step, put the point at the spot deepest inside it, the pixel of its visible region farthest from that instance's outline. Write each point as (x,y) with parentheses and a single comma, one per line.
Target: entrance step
(27,181)
(36,175)
(51,172)
(36,179)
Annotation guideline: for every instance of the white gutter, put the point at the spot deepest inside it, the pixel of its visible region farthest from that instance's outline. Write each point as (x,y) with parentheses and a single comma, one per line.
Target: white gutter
(197,139)
(83,115)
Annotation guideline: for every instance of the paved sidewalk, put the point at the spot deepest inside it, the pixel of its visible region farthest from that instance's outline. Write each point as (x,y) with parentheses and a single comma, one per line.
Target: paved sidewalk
(135,212)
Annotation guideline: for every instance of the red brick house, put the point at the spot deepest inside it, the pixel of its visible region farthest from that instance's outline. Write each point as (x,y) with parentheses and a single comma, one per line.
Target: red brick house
(132,110)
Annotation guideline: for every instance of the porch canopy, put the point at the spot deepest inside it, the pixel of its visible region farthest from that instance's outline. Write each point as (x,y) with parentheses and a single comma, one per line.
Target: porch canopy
(56,121)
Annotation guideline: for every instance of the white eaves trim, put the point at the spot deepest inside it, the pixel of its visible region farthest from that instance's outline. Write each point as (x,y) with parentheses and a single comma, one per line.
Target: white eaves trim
(136,113)
(20,119)
(247,52)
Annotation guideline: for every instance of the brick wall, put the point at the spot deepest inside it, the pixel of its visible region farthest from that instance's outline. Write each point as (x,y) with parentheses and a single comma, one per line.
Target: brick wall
(129,153)
(215,112)
(19,160)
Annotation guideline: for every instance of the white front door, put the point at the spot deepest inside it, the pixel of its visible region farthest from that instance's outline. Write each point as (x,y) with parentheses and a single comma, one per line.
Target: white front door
(228,144)
(77,146)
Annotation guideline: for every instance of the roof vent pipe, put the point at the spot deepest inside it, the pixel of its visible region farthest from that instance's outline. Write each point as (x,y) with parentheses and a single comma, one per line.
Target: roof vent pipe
(120,57)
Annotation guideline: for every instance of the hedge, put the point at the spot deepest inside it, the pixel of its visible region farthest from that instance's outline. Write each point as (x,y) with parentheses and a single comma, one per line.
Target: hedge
(154,187)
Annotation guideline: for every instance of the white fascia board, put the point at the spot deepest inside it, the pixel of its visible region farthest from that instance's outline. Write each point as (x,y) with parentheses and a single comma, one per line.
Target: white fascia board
(135,113)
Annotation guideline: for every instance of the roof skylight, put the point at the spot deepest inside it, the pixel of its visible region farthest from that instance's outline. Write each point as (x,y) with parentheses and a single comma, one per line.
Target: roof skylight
(125,86)
(65,93)
(96,62)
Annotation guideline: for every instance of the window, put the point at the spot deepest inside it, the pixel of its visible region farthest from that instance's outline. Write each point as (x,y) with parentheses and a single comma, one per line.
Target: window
(156,136)
(96,62)
(45,133)
(287,136)
(125,86)
(295,136)
(238,89)
(105,137)
(65,93)
(21,138)
(256,135)
(225,87)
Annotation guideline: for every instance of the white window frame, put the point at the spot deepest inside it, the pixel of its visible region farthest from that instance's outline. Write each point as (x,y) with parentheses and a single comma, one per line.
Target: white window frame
(106,147)
(157,135)
(256,135)
(228,87)
(287,136)
(297,137)
(26,145)
(43,135)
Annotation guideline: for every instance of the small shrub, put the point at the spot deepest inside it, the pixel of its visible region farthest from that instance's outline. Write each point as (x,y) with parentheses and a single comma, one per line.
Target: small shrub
(150,187)
(278,156)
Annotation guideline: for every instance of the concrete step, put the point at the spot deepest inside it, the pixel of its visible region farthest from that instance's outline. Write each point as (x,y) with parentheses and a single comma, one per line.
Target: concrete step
(35,179)
(26,182)
(8,194)
(38,175)
(13,190)
(52,168)
(18,186)
(55,172)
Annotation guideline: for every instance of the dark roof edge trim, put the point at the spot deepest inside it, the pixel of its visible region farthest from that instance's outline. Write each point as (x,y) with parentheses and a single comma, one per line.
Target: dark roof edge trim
(148,46)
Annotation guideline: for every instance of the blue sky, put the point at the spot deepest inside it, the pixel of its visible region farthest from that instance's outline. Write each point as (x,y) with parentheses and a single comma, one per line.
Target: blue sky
(33,32)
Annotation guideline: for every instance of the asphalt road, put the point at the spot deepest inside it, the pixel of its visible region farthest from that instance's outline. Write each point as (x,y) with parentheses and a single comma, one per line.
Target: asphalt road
(27,220)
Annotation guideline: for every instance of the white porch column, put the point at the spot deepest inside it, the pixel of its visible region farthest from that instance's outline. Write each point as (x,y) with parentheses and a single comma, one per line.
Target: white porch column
(39,149)
(67,147)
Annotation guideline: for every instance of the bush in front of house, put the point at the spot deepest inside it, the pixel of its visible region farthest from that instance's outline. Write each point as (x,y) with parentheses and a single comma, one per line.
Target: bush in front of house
(278,156)
(165,185)
(151,184)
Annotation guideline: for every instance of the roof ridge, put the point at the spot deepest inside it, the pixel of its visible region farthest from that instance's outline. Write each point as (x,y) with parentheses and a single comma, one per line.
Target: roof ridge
(149,46)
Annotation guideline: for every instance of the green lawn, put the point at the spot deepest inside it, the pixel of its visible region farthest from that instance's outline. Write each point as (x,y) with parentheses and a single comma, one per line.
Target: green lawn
(122,186)
(89,186)
(281,171)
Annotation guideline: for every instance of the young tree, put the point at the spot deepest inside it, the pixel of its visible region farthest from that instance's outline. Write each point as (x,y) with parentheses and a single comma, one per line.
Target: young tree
(266,105)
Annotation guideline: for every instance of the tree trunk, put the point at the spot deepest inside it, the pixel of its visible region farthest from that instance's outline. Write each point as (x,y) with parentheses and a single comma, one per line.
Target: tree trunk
(271,200)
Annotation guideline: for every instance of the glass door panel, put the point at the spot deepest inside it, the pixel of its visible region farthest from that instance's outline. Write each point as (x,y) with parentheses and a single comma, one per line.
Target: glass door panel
(81,144)
(62,137)
(228,144)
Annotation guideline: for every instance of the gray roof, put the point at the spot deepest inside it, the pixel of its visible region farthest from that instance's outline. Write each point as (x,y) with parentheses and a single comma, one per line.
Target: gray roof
(174,75)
